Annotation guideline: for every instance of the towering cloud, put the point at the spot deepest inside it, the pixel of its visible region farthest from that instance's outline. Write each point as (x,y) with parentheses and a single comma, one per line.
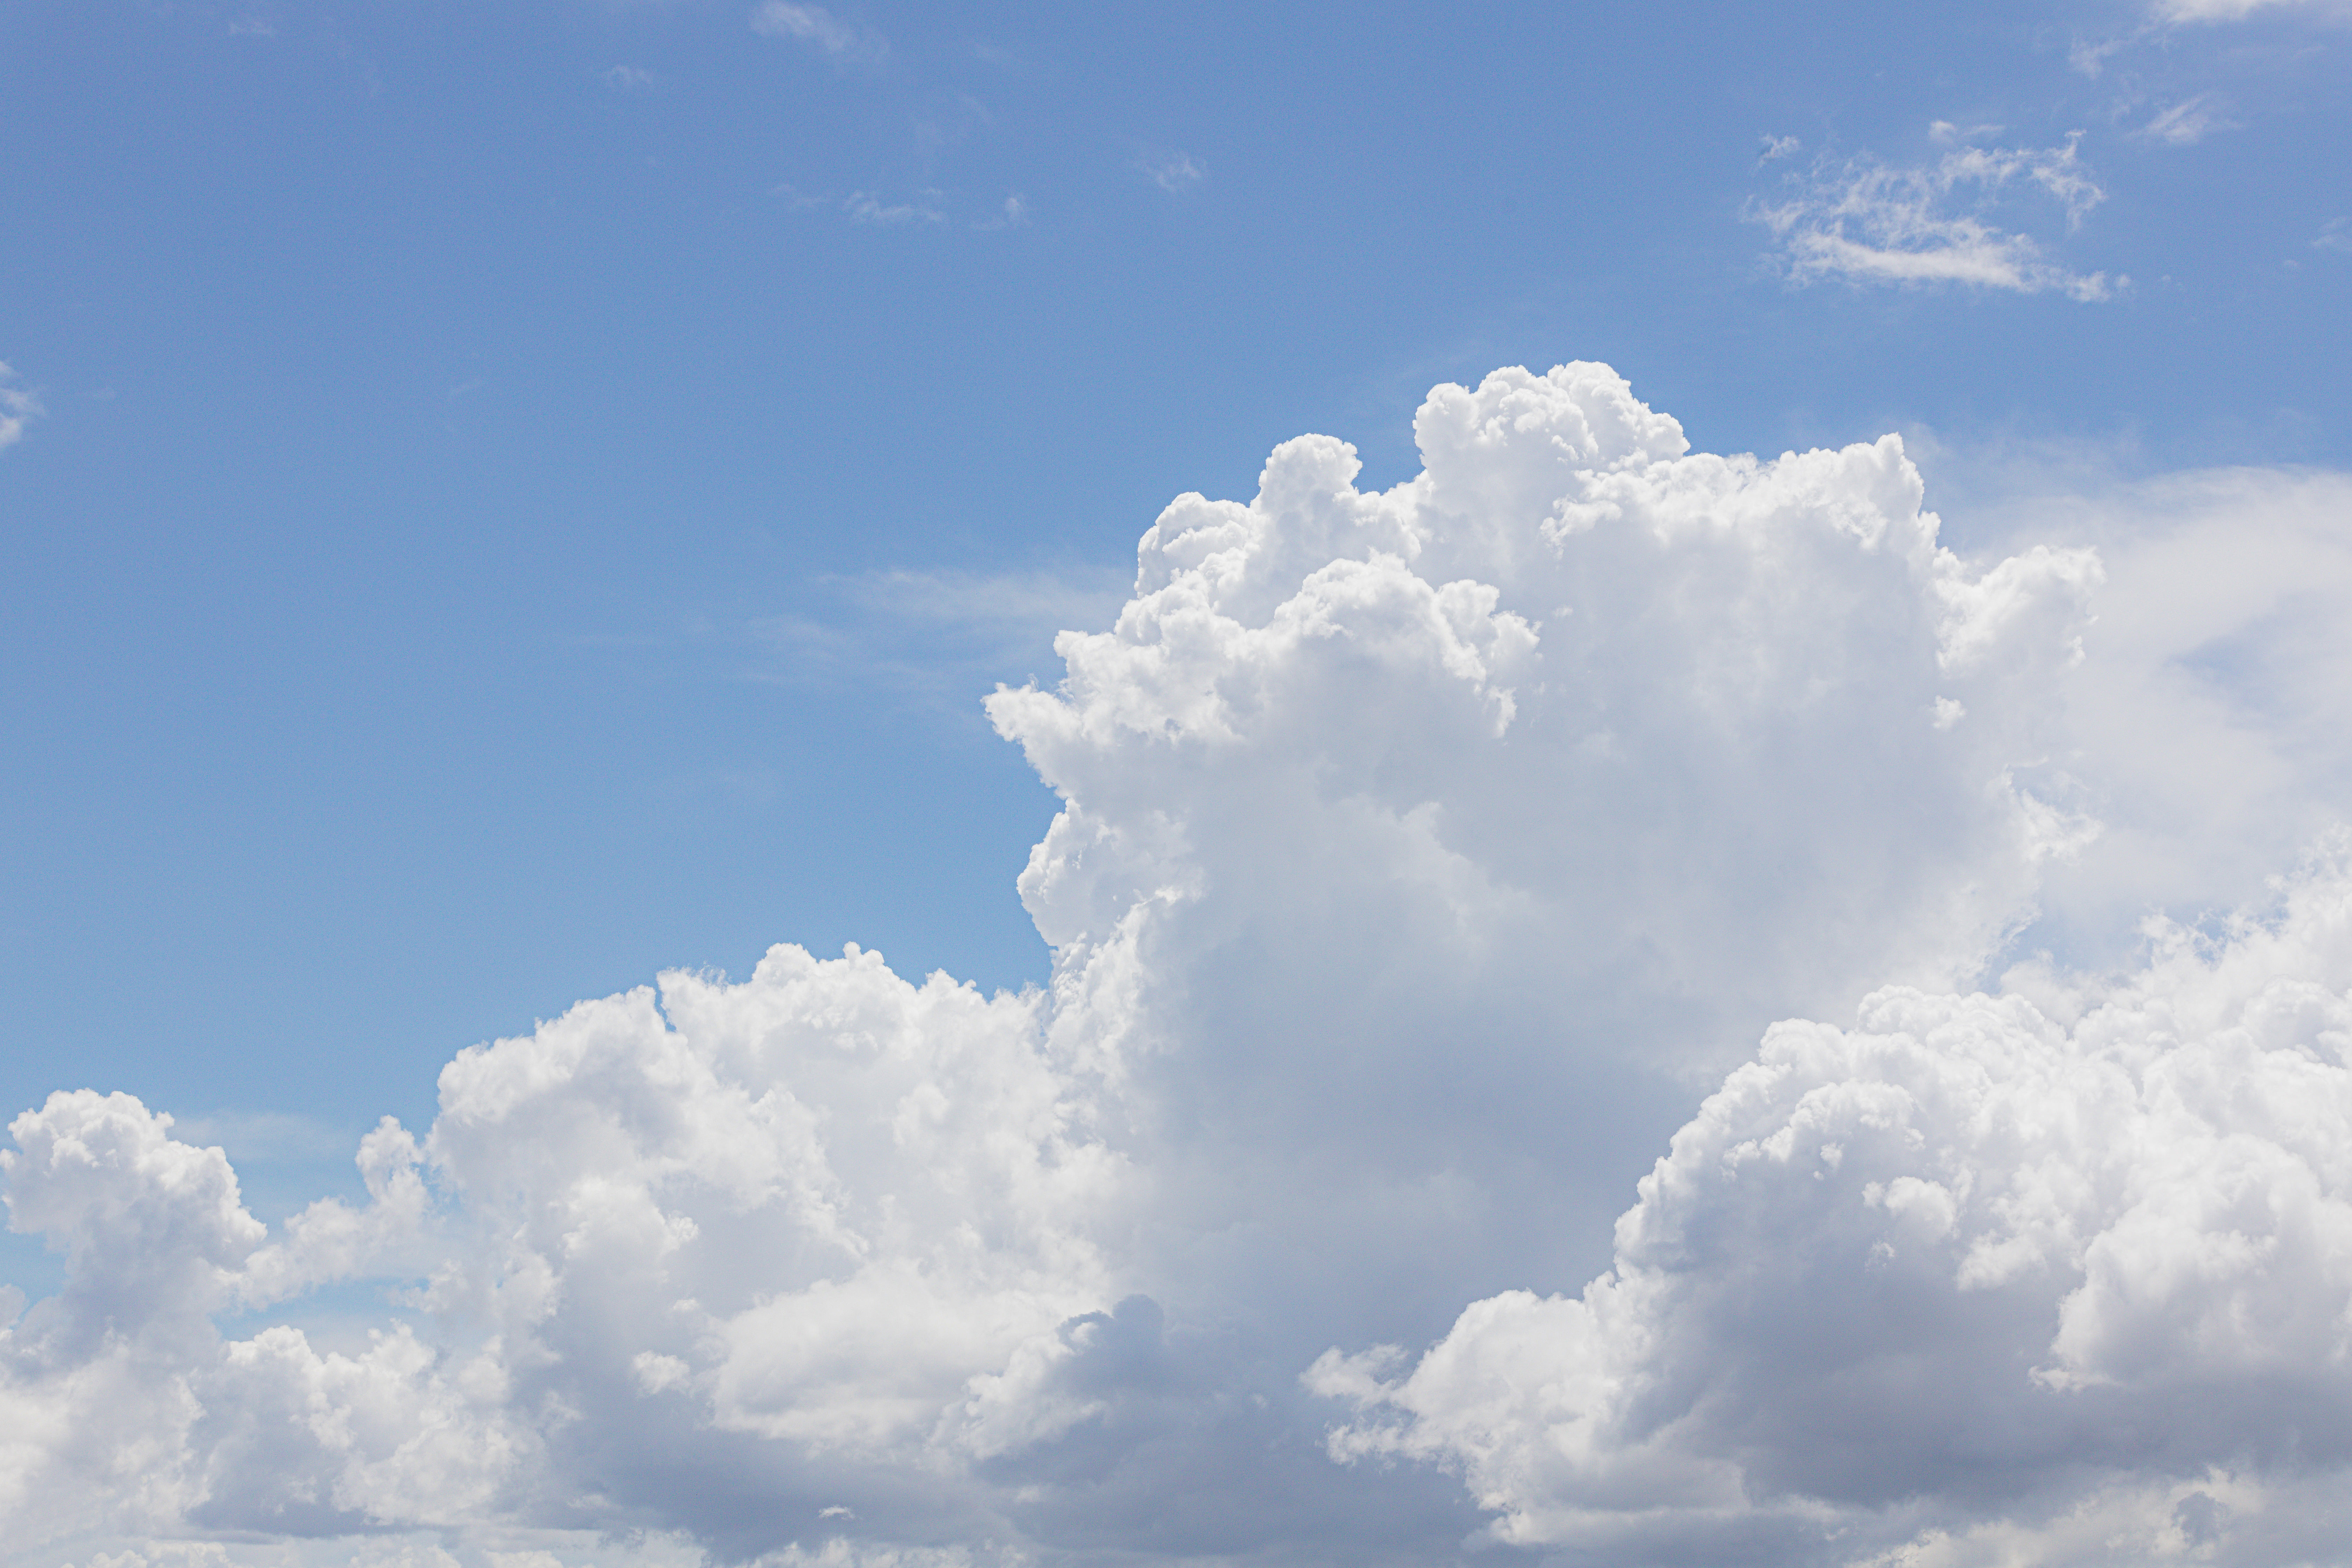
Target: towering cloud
(1427,855)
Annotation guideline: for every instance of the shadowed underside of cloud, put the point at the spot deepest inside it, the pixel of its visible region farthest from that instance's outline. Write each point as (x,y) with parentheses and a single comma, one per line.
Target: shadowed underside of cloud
(1425,856)
(1963,1273)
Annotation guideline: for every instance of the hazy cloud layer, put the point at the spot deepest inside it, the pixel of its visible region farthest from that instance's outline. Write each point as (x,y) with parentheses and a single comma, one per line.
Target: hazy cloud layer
(1426,856)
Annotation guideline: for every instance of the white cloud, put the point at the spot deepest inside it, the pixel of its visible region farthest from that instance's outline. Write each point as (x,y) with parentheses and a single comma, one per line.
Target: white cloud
(820,29)
(1868,222)
(1176,172)
(17,405)
(2336,234)
(2188,122)
(1779,147)
(1977,1266)
(2237,10)
(865,207)
(1424,855)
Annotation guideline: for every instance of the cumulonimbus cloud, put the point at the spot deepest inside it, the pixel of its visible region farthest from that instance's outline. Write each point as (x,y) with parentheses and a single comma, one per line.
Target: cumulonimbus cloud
(1425,855)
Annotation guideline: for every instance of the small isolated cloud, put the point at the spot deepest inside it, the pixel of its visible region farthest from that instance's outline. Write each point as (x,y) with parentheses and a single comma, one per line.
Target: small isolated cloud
(865,206)
(1012,215)
(2335,235)
(17,405)
(1945,134)
(815,25)
(2188,122)
(1779,147)
(628,78)
(1868,222)
(1178,171)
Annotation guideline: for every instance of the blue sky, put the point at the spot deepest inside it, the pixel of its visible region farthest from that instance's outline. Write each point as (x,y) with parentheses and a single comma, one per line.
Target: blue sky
(444,405)
(500,500)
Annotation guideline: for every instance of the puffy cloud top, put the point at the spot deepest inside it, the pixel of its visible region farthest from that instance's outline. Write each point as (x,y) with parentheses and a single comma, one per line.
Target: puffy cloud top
(1974,1251)
(1424,854)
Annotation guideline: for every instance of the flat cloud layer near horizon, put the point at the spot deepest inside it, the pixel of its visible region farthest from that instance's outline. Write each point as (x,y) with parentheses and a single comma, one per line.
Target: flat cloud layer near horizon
(1426,856)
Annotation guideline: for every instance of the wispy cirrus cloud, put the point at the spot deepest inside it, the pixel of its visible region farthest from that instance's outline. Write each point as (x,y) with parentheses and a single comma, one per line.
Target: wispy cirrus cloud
(2235,10)
(17,403)
(942,634)
(1176,172)
(2188,122)
(927,208)
(1870,222)
(820,29)
(865,206)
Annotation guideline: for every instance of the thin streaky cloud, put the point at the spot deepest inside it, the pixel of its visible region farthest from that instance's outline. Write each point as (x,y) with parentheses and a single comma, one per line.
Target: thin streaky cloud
(2188,122)
(971,628)
(1178,171)
(815,25)
(1866,222)
(1945,133)
(865,207)
(2238,10)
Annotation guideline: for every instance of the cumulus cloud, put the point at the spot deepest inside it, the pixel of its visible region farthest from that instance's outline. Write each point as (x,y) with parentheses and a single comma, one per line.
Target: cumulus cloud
(17,405)
(1425,856)
(1965,1273)
(1868,221)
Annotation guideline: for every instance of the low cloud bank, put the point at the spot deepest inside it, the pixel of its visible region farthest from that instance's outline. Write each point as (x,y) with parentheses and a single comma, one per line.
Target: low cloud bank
(1427,855)
(1958,1275)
